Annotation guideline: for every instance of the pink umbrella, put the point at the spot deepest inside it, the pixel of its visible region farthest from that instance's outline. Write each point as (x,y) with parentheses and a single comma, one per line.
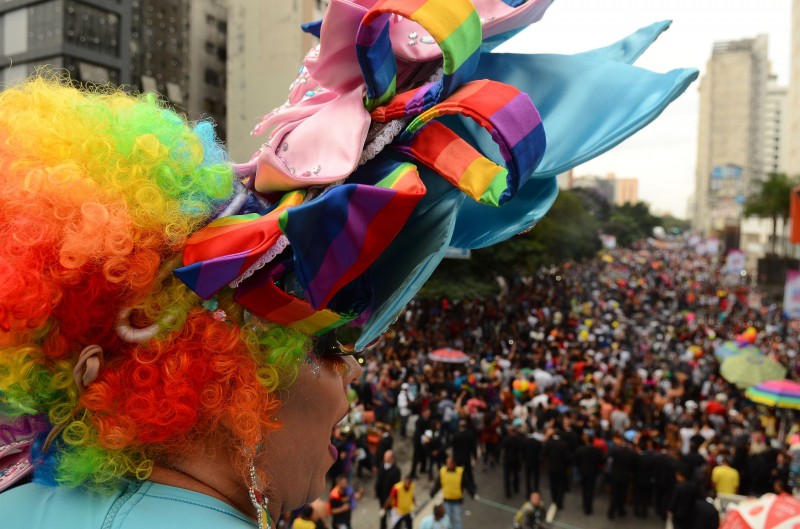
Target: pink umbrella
(448,356)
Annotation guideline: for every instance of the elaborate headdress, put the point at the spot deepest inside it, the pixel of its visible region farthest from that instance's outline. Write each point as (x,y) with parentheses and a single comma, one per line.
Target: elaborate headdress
(402,136)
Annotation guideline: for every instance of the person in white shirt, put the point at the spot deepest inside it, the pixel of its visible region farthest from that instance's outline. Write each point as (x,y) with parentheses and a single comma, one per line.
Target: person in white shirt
(438,519)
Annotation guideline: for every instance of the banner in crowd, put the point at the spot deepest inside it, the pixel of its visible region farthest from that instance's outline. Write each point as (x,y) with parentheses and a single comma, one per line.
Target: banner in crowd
(794,214)
(791,295)
(609,241)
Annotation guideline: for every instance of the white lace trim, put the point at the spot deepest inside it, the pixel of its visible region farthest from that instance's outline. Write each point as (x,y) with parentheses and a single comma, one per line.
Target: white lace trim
(279,246)
(384,138)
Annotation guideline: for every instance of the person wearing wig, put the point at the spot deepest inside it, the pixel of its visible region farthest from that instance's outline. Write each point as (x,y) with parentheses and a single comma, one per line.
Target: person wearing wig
(177,331)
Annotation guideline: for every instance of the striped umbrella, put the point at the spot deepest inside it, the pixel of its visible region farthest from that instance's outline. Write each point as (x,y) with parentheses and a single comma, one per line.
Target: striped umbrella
(750,370)
(731,348)
(448,356)
(780,393)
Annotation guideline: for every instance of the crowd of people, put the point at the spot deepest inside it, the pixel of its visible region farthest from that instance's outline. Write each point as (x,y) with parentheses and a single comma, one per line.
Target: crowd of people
(600,376)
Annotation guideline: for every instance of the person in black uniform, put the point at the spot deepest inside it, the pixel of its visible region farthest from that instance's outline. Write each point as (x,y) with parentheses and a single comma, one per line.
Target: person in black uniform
(588,459)
(420,457)
(643,467)
(386,442)
(556,454)
(512,446)
(706,515)
(387,477)
(683,505)
(465,447)
(664,467)
(532,456)
(621,468)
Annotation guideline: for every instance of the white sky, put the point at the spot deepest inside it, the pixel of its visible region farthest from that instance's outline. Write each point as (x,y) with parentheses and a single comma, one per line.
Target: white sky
(662,156)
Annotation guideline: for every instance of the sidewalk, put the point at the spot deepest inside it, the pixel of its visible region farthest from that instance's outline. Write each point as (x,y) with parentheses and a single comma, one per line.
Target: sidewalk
(366,516)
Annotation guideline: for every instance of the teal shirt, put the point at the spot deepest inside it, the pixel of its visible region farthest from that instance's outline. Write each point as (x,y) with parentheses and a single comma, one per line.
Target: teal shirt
(143,505)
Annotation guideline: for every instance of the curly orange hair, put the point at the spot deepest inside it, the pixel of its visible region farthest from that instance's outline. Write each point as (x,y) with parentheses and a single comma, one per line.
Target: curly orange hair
(99,190)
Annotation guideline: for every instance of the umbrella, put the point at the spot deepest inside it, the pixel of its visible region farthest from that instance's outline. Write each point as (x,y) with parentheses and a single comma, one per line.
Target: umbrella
(728,349)
(751,370)
(543,378)
(780,393)
(767,512)
(448,356)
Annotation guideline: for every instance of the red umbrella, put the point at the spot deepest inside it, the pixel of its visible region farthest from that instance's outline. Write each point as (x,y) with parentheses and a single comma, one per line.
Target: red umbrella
(449,356)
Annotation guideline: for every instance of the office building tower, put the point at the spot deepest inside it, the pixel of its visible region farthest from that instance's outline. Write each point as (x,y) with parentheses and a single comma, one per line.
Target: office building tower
(730,137)
(87,39)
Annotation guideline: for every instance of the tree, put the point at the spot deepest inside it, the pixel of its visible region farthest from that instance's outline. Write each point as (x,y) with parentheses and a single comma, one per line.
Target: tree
(771,201)
(568,232)
(631,222)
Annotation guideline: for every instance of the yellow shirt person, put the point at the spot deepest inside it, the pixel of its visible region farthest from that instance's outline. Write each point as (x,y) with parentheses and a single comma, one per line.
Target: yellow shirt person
(725,478)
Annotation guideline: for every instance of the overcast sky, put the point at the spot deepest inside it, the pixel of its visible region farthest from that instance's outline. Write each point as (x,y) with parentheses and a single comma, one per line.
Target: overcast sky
(662,156)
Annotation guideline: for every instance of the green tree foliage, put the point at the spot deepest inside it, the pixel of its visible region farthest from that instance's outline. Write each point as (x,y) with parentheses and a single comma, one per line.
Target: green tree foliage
(631,222)
(568,232)
(771,201)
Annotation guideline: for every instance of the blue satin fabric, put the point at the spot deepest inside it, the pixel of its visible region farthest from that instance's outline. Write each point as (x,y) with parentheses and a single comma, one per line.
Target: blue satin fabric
(589,103)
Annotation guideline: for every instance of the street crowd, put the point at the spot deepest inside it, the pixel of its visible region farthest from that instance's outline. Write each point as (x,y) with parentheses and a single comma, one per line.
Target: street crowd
(596,377)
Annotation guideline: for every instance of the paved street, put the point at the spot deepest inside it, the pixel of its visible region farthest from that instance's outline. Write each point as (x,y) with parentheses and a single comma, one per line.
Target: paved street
(494,510)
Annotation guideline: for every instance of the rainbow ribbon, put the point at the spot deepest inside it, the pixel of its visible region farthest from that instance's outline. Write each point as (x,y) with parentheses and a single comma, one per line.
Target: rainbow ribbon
(454,24)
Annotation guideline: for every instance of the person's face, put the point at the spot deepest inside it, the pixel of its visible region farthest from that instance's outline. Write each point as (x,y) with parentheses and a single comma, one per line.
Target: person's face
(298,455)
(535,498)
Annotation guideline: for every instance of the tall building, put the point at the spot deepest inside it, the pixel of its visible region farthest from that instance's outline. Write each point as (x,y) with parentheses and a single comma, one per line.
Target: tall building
(626,190)
(89,39)
(793,147)
(730,136)
(776,128)
(263,58)
(179,49)
(616,191)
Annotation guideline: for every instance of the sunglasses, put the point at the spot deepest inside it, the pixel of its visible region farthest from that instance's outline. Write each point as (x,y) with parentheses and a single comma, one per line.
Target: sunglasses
(340,342)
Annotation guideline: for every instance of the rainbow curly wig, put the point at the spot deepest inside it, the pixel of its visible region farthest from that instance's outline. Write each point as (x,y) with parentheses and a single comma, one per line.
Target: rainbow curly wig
(99,190)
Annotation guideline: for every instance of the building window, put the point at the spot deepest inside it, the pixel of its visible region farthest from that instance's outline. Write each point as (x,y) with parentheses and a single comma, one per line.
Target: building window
(34,28)
(92,28)
(211,77)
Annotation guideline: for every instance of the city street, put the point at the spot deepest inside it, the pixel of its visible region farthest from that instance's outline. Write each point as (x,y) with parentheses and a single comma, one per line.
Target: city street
(493,509)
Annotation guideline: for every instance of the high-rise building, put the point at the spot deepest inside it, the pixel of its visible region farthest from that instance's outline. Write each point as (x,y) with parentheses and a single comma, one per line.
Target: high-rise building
(88,39)
(617,191)
(179,49)
(731,130)
(793,137)
(264,55)
(776,128)
(626,190)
